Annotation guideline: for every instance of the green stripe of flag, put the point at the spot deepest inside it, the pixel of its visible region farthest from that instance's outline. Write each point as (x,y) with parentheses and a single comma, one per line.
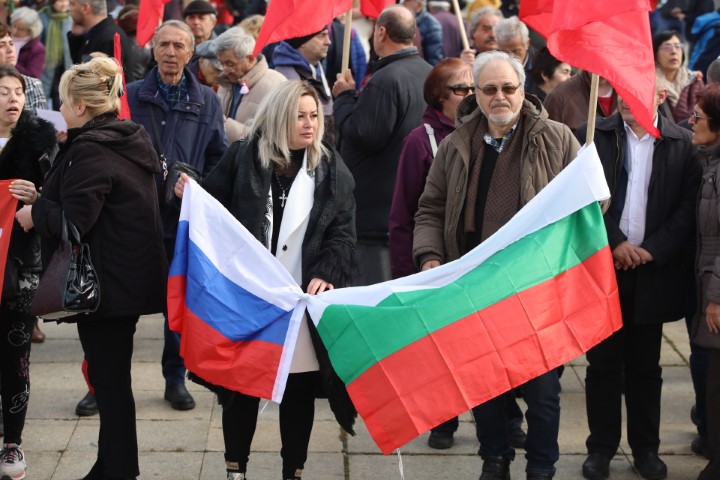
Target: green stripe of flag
(405,317)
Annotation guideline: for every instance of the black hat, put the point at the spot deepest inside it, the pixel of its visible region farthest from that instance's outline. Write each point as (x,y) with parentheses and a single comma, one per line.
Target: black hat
(199,7)
(300,41)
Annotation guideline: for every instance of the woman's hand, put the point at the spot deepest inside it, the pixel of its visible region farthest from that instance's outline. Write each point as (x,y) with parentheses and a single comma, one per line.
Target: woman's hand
(179,188)
(24,191)
(430,264)
(712,317)
(318,285)
(24,218)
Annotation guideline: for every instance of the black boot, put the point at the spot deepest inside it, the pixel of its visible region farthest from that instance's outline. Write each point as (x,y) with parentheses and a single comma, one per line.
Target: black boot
(495,468)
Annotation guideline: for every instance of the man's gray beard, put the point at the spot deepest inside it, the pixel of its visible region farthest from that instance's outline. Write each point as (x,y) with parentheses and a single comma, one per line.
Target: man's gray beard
(502,119)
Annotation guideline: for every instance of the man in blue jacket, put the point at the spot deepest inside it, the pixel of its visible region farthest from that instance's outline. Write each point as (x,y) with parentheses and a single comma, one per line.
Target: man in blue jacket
(185,122)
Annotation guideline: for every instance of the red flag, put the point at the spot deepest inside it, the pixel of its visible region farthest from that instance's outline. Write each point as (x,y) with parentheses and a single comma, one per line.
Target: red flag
(149,18)
(373,8)
(610,38)
(8,203)
(124,105)
(296,18)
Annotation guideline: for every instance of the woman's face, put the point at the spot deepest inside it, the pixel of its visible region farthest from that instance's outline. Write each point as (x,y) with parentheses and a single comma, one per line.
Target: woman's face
(669,55)
(12,100)
(71,114)
(561,73)
(702,135)
(19,29)
(61,6)
(306,124)
(455,94)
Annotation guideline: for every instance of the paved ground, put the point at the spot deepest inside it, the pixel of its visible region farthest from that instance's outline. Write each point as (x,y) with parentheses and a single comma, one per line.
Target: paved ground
(188,445)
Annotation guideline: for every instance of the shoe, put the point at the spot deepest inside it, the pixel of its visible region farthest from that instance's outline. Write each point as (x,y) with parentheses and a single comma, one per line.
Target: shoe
(38,336)
(540,476)
(440,440)
(596,466)
(699,447)
(87,407)
(650,467)
(495,468)
(236,476)
(179,397)
(517,434)
(296,476)
(12,462)
(693,415)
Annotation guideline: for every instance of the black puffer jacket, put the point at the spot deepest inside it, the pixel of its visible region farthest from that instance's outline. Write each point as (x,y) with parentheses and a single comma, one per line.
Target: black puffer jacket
(27,156)
(103,180)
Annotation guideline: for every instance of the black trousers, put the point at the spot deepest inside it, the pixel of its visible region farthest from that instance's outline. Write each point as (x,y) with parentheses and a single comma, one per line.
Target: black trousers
(712,470)
(15,332)
(297,412)
(108,347)
(628,360)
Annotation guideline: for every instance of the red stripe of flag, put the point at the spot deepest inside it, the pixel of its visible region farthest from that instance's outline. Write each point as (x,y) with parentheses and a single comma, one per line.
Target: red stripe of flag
(8,204)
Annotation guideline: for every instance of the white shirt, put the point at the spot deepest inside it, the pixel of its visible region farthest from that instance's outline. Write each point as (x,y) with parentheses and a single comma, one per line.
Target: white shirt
(639,166)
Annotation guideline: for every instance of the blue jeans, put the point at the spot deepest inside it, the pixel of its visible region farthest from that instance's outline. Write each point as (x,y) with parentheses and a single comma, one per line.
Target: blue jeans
(542,395)
(173,367)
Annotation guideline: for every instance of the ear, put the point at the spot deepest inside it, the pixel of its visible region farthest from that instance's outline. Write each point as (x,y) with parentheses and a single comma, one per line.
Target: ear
(251,59)
(661,96)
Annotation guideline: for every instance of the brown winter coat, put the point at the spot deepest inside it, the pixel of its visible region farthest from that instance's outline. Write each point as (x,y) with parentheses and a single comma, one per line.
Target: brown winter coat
(568,102)
(547,148)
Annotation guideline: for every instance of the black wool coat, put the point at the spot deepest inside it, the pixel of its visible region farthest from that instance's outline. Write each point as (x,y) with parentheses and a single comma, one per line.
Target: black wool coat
(103,180)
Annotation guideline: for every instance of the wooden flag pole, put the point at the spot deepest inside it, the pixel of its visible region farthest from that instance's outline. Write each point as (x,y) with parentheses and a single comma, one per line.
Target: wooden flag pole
(346,41)
(461,25)
(592,109)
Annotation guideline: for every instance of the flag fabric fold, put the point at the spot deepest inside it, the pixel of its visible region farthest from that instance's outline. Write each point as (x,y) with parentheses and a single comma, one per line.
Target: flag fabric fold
(150,17)
(611,39)
(8,205)
(236,316)
(373,8)
(117,54)
(415,351)
(287,19)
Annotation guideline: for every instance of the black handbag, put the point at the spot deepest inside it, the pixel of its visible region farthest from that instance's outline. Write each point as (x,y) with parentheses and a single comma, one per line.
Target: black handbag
(69,285)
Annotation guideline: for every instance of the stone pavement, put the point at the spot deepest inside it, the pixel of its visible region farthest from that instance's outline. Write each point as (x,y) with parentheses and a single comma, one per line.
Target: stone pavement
(188,445)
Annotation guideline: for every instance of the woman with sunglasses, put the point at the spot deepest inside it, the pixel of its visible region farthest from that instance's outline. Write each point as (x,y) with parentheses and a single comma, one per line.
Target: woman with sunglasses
(684,84)
(705,332)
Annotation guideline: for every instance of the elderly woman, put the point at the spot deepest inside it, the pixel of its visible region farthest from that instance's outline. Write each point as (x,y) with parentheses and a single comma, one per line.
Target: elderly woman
(26,142)
(103,182)
(705,122)
(26,29)
(684,84)
(283,163)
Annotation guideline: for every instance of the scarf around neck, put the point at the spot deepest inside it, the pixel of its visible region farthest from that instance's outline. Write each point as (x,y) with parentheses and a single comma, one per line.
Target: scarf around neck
(54,44)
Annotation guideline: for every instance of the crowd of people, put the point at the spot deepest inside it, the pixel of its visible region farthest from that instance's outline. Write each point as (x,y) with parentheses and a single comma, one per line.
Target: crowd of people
(414,155)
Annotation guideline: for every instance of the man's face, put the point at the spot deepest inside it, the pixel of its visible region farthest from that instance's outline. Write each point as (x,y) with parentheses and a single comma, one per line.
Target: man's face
(76,12)
(172,51)
(8,56)
(483,36)
(515,47)
(202,25)
(315,49)
(234,67)
(627,114)
(503,107)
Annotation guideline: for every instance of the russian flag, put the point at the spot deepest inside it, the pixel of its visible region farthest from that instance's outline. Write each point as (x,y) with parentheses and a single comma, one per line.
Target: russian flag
(233,303)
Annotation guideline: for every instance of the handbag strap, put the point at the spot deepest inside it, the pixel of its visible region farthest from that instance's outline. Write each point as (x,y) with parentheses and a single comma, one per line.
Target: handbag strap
(70,231)
(158,145)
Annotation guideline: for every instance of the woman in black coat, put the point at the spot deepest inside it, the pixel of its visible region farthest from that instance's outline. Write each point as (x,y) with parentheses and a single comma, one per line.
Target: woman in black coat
(26,142)
(103,182)
(284,164)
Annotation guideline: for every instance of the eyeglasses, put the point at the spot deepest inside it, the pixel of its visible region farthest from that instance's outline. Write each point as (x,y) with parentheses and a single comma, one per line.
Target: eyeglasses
(698,117)
(669,47)
(491,90)
(461,90)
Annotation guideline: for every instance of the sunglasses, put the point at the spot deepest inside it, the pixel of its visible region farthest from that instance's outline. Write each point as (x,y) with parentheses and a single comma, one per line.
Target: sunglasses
(461,90)
(492,90)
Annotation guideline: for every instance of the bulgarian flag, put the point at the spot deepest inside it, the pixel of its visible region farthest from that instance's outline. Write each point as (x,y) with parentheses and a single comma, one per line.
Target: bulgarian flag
(415,351)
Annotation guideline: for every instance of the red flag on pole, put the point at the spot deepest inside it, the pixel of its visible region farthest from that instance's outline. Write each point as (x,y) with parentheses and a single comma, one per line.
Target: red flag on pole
(124,105)
(8,203)
(373,8)
(150,17)
(296,18)
(610,38)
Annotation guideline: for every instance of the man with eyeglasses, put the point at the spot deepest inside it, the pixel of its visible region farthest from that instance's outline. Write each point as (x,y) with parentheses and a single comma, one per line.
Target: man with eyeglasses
(650,225)
(504,151)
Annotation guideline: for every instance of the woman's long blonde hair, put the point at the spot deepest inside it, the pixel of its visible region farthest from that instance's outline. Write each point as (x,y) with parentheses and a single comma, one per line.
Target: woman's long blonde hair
(275,120)
(97,84)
